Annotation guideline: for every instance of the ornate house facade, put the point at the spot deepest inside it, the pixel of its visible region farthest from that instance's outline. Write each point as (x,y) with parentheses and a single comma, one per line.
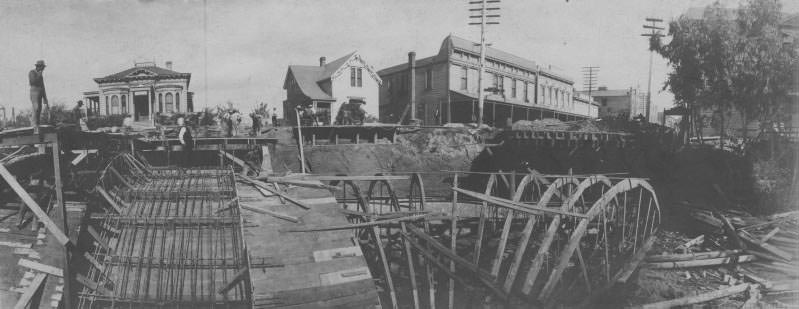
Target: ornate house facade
(142,91)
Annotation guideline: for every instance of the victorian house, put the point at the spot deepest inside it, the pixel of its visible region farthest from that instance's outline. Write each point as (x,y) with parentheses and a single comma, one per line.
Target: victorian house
(142,92)
(329,85)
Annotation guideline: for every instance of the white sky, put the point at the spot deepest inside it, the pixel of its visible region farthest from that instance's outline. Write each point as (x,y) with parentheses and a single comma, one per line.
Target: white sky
(250,43)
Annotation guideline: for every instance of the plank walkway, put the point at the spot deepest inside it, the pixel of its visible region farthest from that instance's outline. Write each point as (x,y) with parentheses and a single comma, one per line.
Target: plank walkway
(319,269)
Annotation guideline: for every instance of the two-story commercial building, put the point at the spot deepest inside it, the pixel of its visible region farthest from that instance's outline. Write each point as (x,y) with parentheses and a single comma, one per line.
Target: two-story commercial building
(328,86)
(443,88)
(618,103)
(141,91)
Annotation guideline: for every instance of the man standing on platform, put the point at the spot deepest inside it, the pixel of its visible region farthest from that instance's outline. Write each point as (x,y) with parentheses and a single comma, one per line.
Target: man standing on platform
(38,94)
(184,136)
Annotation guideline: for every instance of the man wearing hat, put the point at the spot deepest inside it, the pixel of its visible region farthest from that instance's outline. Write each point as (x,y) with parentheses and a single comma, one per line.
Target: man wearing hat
(38,94)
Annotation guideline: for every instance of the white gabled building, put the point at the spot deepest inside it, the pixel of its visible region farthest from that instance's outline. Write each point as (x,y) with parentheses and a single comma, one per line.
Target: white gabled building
(329,85)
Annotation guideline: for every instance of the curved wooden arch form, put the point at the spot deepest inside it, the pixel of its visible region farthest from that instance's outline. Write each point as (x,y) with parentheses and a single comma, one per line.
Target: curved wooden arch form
(598,207)
(389,195)
(585,184)
(416,193)
(478,246)
(533,177)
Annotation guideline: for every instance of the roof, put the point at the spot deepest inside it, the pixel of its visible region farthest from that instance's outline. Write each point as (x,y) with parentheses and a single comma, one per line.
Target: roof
(138,72)
(461,44)
(492,53)
(608,93)
(309,76)
(404,66)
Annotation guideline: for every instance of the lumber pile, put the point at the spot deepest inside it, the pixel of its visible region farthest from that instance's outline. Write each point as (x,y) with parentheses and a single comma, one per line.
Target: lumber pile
(751,259)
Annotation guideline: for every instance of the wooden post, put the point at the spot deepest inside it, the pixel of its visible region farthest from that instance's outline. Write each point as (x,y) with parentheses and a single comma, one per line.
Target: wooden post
(386,268)
(431,280)
(299,142)
(411,269)
(60,205)
(453,235)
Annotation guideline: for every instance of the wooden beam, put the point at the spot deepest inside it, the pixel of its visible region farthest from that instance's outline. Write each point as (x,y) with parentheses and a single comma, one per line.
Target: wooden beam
(356,225)
(271,213)
(243,273)
(51,226)
(108,199)
(517,259)
(36,284)
(264,186)
(691,256)
(411,267)
(97,237)
(119,176)
(698,298)
(55,271)
(526,208)
(629,268)
(354,178)
(700,263)
(434,244)
(91,285)
(764,246)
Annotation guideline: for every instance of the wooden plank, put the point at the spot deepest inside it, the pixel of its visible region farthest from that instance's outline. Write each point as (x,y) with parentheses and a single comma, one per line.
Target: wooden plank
(97,238)
(336,253)
(768,236)
(91,285)
(453,235)
(519,254)
(701,263)
(386,268)
(535,210)
(119,176)
(691,256)
(271,213)
(55,271)
(264,186)
(240,275)
(36,284)
(434,244)
(356,225)
(698,298)
(411,267)
(354,178)
(503,241)
(765,247)
(629,268)
(345,276)
(108,199)
(51,226)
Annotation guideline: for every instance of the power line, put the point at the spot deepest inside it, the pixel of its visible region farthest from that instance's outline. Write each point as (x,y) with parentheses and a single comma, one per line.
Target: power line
(488,11)
(590,74)
(654,33)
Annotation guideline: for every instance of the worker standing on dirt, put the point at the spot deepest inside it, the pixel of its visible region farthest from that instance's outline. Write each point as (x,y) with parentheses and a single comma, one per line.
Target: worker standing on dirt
(185,138)
(38,94)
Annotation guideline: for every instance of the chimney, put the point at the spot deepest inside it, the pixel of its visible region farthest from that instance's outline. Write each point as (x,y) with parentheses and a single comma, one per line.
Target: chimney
(168,65)
(322,61)
(412,83)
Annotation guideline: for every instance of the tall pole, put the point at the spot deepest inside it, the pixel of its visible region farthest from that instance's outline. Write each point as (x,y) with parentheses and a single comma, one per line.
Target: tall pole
(654,33)
(483,9)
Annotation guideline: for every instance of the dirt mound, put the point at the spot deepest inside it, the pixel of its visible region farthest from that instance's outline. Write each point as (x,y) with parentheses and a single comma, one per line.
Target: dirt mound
(589,125)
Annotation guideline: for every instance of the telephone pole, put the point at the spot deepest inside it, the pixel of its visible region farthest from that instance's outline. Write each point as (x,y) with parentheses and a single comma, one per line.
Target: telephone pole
(589,78)
(652,35)
(488,15)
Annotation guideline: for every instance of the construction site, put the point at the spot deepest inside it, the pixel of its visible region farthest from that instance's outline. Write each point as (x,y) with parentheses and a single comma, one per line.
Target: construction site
(387,216)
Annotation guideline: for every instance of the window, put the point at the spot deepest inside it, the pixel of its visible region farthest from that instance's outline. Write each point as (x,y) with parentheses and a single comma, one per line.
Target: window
(107,110)
(124,104)
(114,105)
(360,77)
(160,102)
(352,77)
(464,78)
(549,98)
(169,103)
(526,92)
(512,88)
(496,81)
(177,102)
(428,79)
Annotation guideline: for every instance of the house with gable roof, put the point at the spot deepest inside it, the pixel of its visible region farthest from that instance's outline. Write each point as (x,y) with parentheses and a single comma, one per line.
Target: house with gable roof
(326,87)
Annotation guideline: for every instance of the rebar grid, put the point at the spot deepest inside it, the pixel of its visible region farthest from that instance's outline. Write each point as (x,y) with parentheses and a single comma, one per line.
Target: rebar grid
(177,241)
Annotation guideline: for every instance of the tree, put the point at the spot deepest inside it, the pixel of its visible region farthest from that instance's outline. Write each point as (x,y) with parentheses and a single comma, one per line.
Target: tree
(725,60)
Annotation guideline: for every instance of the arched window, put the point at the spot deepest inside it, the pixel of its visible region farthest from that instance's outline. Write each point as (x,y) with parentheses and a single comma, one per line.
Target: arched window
(177,102)
(114,105)
(124,104)
(169,104)
(160,102)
